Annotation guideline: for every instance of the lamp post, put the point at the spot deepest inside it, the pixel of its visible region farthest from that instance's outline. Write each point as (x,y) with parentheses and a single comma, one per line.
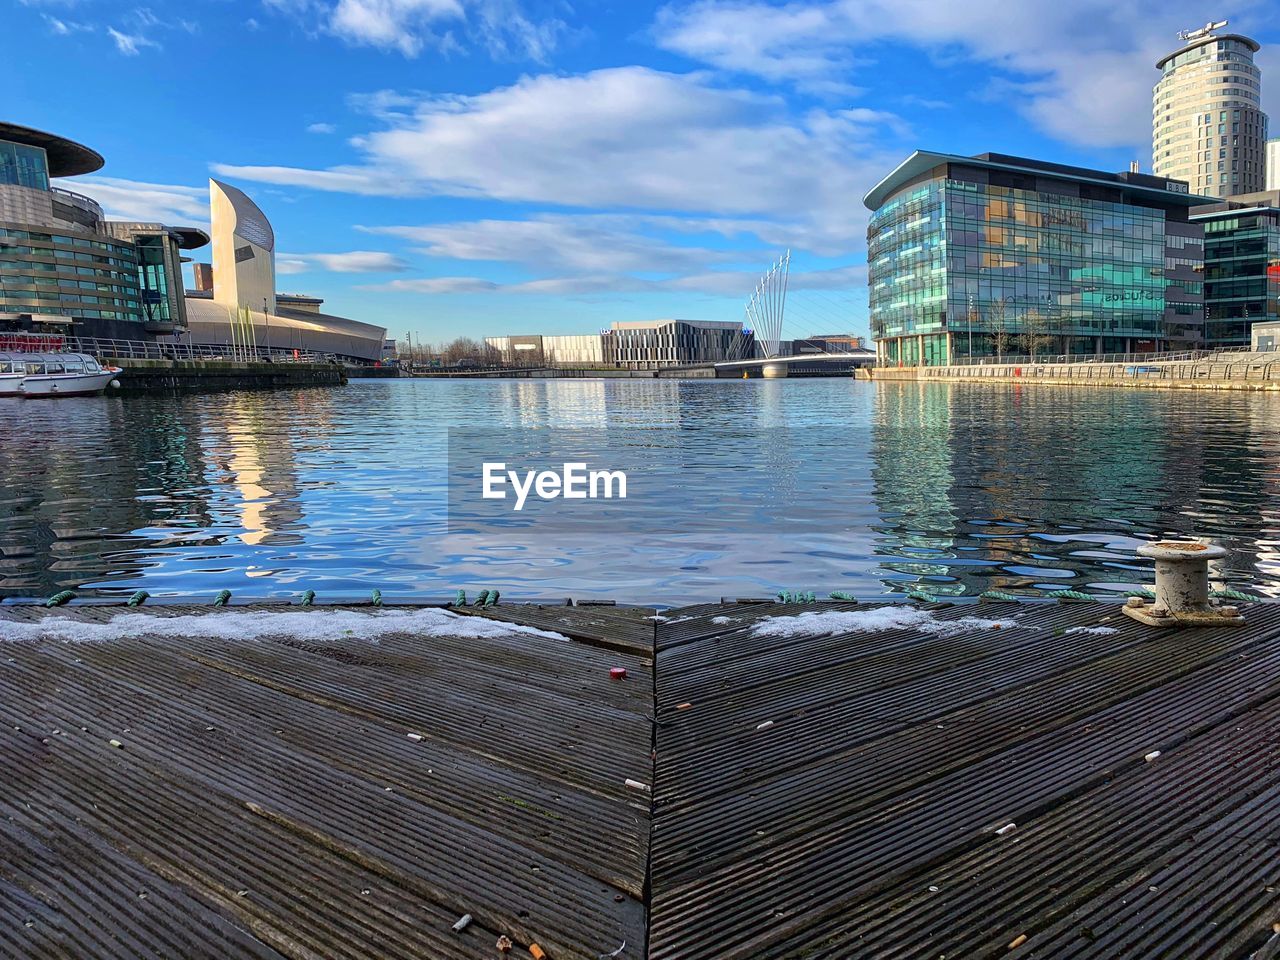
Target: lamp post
(267,320)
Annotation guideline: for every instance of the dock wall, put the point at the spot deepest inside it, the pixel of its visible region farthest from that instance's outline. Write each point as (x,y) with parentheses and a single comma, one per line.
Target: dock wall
(1207,374)
(152,376)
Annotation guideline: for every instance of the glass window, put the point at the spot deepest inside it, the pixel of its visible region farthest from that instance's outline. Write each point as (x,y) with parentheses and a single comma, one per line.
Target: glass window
(23,165)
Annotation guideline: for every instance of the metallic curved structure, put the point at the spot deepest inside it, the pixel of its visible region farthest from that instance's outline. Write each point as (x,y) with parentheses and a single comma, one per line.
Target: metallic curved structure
(244,250)
(767,305)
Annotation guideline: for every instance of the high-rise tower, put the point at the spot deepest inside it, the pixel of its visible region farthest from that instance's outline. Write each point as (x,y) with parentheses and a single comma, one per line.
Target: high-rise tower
(1208,127)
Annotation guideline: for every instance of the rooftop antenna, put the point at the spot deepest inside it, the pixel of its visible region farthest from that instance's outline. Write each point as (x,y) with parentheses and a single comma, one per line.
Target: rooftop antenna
(1206,30)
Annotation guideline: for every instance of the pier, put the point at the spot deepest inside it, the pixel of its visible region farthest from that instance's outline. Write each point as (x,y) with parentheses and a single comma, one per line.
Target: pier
(153,376)
(768,780)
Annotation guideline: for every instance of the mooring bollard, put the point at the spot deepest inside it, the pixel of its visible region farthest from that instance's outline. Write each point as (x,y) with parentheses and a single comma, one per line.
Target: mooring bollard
(1182,588)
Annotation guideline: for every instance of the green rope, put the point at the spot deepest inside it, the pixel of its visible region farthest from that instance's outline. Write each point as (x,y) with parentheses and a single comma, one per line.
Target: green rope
(921,596)
(810,597)
(460,599)
(58,599)
(308,598)
(841,595)
(376,597)
(138,598)
(1145,592)
(999,596)
(1072,595)
(1227,593)
(482,599)
(492,599)
(784,597)
(221,599)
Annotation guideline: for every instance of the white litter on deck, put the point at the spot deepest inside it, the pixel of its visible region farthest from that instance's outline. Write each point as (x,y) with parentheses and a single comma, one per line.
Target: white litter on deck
(315,625)
(1096,631)
(873,621)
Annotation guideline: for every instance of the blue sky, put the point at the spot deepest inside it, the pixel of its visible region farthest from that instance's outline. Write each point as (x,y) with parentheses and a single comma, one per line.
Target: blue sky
(479,167)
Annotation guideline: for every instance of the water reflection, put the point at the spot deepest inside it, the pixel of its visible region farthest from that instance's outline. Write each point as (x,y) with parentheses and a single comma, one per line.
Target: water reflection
(956,488)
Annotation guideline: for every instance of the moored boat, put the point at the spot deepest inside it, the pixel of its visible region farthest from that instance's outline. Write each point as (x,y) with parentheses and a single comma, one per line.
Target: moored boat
(12,369)
(53,375)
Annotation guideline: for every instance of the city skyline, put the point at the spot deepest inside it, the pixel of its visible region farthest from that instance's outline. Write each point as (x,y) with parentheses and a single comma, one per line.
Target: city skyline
(477,168)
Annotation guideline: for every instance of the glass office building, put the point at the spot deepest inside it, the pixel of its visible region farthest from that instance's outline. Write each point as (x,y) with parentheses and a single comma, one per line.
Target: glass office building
(1241,267)
(63,267)
(994,255)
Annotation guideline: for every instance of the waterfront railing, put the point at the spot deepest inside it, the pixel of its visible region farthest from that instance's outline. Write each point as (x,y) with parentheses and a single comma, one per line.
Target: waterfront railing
(1216,366)
(185,350)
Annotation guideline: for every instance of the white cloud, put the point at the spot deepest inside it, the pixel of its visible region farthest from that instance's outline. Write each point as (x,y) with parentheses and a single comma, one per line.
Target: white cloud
(137,200)
(130,44)
(64,28)
(403,25)
(728,283)
(353,261)
(587,242)
(628,138)
(410,26)
(1082,70)
(321,128)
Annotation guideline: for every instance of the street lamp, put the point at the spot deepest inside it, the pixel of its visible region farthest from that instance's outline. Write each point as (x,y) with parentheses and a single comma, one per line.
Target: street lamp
(267,319)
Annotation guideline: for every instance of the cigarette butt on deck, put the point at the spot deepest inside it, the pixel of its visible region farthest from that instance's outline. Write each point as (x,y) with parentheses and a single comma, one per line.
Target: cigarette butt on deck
(683,706)
(537,952)
(463,922)
(1017,941)
(637,785)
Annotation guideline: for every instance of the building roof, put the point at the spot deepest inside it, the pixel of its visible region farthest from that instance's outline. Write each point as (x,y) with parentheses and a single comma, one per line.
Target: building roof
(66,157)
(662,322)
(1252,44)
(922,161)
(1265,201)
(190,238)
(251,223)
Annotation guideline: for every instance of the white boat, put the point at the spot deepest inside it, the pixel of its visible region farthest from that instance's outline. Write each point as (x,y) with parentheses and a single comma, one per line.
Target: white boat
(53,375)
(12,369)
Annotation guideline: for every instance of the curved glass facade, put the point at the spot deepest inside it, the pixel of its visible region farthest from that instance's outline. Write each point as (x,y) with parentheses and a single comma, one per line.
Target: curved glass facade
(62,273)
(959,268)
(1208,127)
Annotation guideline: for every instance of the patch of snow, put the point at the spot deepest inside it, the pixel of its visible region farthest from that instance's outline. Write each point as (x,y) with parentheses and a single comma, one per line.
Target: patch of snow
(1095,631)
(873,621)
(721,621)
(315,625)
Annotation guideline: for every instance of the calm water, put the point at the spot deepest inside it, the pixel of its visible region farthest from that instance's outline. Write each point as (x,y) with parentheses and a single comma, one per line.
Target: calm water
(957,488)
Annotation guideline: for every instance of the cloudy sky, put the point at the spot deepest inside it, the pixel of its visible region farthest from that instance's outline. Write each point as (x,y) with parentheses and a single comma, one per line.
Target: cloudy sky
(498,166)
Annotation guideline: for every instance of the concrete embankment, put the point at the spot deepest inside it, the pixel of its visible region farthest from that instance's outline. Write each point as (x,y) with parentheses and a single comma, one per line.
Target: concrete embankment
(572,373)
(1245,371)
(151,376)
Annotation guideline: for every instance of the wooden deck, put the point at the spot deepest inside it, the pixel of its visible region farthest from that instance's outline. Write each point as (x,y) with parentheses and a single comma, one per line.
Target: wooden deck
(267,800)
(836,796)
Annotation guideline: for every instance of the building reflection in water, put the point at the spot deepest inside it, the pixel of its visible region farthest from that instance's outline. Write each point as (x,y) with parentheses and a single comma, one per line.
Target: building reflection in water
(252,450)
(955,488)
(983,487)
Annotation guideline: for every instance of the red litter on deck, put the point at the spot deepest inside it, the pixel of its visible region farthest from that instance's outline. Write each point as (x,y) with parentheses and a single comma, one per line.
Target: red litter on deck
(618,673)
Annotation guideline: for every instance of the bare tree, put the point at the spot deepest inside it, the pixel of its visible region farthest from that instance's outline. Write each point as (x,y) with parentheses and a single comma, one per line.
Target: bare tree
(463,348)
(997,321)
(1035,333)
